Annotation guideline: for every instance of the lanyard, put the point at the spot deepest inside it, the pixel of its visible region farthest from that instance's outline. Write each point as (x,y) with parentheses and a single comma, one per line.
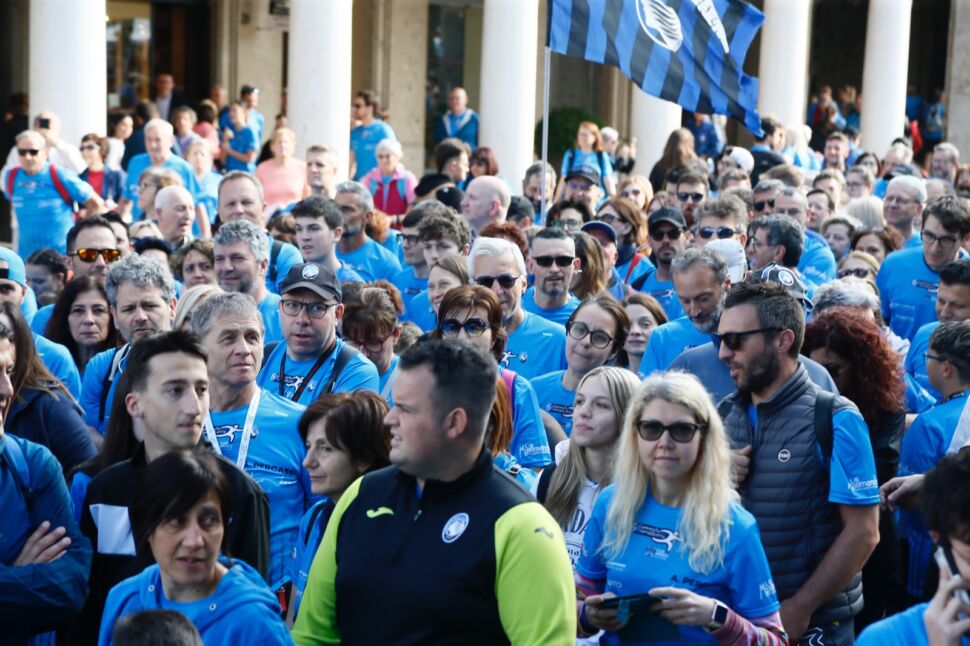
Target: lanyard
(210,432)
(957,395)
(306,380)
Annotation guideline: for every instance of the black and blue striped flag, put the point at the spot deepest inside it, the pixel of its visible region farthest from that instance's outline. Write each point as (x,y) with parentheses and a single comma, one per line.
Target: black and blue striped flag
(690,52)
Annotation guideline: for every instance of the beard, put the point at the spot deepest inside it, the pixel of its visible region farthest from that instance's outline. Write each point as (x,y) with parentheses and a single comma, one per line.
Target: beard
(760,373)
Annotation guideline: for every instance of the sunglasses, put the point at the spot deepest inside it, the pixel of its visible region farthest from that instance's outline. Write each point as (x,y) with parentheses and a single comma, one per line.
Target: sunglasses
(89,147)
(721,232)
(693,197)
(580,331)
(472,327)
(681,432)
(506,281)
(859,272)
(90,255)
(561,261)
(25,152)
(733,340)
(660,234)
(762,204)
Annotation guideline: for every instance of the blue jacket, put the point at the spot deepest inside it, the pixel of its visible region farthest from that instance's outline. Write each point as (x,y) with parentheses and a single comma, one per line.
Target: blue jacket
(35,597)
(52,420)
(242,610)
(114,183)
(467,128)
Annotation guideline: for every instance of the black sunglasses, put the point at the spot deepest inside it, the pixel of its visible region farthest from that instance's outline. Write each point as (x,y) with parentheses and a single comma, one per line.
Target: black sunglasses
(721,232)
(652,430)
(733,340)
(760,205)
(546,261)
(472,327)
(598,338)
(24,152)
(858,272)
(507,281)
(693,197)
(660,234)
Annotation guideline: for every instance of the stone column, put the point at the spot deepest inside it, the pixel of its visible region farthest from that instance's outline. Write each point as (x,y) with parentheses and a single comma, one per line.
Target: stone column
(508,89)
(783,65)
(319,92)
(958,76)
(68,68)
(884,73)
(651,122)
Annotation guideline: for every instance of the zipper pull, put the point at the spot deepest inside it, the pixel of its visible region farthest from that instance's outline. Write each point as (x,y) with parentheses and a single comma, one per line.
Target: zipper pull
(416,516)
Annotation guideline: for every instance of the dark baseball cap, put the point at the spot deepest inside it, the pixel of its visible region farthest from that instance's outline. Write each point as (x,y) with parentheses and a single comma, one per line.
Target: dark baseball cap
(589,173)
(667,214)
(317,278)
(520,208)
(785,277)
(603,227)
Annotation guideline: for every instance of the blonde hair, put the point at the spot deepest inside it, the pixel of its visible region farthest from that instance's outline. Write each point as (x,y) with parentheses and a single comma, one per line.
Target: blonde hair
(571,472)
(191,299)
(705,521)
(279,133)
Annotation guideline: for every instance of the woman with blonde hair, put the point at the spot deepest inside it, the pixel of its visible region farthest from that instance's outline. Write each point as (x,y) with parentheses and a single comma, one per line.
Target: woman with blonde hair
(672,516)
(868,211)
(190,301)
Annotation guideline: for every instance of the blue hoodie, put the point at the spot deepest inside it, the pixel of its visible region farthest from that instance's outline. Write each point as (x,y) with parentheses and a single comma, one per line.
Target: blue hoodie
(242,610)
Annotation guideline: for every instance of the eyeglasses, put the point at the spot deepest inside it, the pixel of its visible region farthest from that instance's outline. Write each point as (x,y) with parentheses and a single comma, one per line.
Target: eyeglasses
(858,272)
(660,234)
(313,310)
(936,357)
(568,224)
(90,147)
(651,430)
(945,242)
(561,261)
(579,186)
(580,331)
(506,281)
(609,218)
(409,239)
(693,197)
(733,340)
(472,327)
(762,204)
(722,232)
(373,345)
(25,152)
(90,255)
(895,199)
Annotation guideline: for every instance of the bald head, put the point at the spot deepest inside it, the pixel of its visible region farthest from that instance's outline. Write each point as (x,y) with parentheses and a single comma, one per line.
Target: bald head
(174,211)
(486,200)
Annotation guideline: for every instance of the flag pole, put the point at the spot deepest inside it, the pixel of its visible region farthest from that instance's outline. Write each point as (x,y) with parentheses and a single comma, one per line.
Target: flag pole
(546,73)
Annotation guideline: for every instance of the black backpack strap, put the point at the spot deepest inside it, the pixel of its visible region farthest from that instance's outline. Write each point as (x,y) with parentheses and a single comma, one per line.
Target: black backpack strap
(544,479)
(268,350)
(824,407)
(274,254)
(343,358)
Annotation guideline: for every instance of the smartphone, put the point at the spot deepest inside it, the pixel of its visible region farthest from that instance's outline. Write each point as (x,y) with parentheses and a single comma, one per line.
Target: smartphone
(944,556)
(637,602)
(44,123)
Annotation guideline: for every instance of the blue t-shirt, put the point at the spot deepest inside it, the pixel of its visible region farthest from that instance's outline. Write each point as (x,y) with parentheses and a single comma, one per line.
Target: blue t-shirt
(506,463)
(916,363)
(655,557)
(914,241)
(142,162)
(363,143)
(666,295)
(555,399)
(270,311)
(359,373)
(420,312)
(537,347)
(409,284)
(393,244)
(616,287)
(576,159)
(559,315)
(387,380)
(275,462)
(372,261)
(43,216)
(306,549)
(208,196)
(817,263)
(41,317)
(904,629)
(667,342)
(908,288)
(287,257)
(60,363)
(254,118)
(643,266)
(529,444)
(244,140)
(347,275)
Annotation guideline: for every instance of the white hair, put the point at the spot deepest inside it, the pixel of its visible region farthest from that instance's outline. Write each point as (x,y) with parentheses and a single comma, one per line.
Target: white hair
(391,146)
(913,184)
(495,247)
(609,134)
(164,126)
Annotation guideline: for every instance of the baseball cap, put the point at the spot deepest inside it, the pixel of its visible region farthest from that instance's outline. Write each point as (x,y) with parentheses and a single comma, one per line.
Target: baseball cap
(733,253)
(904,169)
(15,269)
(741,156)
(603,227)
(785,277)
(667,214)
(590,174)
(520,208)
(450,196)
(316,278)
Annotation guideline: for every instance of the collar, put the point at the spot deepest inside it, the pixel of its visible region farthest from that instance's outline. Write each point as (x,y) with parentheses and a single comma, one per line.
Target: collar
(437,489)
(785,394)
(960,394)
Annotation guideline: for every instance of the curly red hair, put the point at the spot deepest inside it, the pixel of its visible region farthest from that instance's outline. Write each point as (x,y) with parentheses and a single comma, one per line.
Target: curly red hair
(876,383)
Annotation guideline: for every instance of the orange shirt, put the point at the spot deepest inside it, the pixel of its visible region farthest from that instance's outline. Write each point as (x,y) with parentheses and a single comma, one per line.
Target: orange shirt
(283,184)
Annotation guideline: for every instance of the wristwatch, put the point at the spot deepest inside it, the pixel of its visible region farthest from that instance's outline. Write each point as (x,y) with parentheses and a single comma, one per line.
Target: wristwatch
(719,616)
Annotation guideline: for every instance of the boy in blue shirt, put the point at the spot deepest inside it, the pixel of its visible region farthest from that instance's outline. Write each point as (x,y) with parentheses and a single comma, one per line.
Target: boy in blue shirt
(413,277)
(240,144)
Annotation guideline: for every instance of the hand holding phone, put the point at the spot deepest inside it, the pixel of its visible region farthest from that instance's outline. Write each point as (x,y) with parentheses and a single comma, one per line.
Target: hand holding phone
(946,617)
(948,565)
(44,124)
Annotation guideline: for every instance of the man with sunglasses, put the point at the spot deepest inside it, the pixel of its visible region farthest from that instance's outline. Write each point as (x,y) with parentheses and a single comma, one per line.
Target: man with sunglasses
(553,263)
(43,197)
(722,218)
(764,196)
(817,262)
(413,277)
(819,518)
(668,238)
(535,346)
(691,192)
(312,360)
(909,279)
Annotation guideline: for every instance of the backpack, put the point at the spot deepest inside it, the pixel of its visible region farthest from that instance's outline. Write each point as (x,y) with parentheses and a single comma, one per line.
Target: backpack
(600,159)
(274,254)
(55,178)
(116,360)
(16,461)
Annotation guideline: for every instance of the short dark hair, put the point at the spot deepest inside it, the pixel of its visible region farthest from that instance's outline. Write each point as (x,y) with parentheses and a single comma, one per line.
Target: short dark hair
(86,223)
(171,485)
(551,233)
(319,207)
(782,230)
(175,342)
(776,308)
(447,150)
(355,425)
(464,377)
(951,213)
(952,340)
(113,217)
(155,628)
(956,272)
(945,497)
(690,177)
(444,224)
(769,125)
(50,260)
(141,245)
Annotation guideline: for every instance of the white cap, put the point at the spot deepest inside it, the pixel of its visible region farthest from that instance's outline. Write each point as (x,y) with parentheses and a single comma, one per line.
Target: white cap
(733,253)
(742,157)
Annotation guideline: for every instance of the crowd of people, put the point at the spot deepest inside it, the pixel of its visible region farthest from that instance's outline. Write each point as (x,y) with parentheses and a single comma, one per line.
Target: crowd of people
(248,400)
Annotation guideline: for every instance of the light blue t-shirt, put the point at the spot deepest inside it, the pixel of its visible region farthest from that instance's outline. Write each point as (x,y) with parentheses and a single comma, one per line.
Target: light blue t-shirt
(359,373)
(537,347)
(654,557)
(667,342)
(643,266)
(393,244)
(420,312)
(244,140)
(916,363)
(347,275)
(559,315)
(908,290)
(142,162)
(409,284)
(387,380)
(41,317)
(43,216)
(666,295)
(274,461)
(817,263)
(555,399)
(287,257)
(372,261)
(904,629)
(208,196)
(270,311)
(363,143)
(529,443)
(319,513)
(60,363)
